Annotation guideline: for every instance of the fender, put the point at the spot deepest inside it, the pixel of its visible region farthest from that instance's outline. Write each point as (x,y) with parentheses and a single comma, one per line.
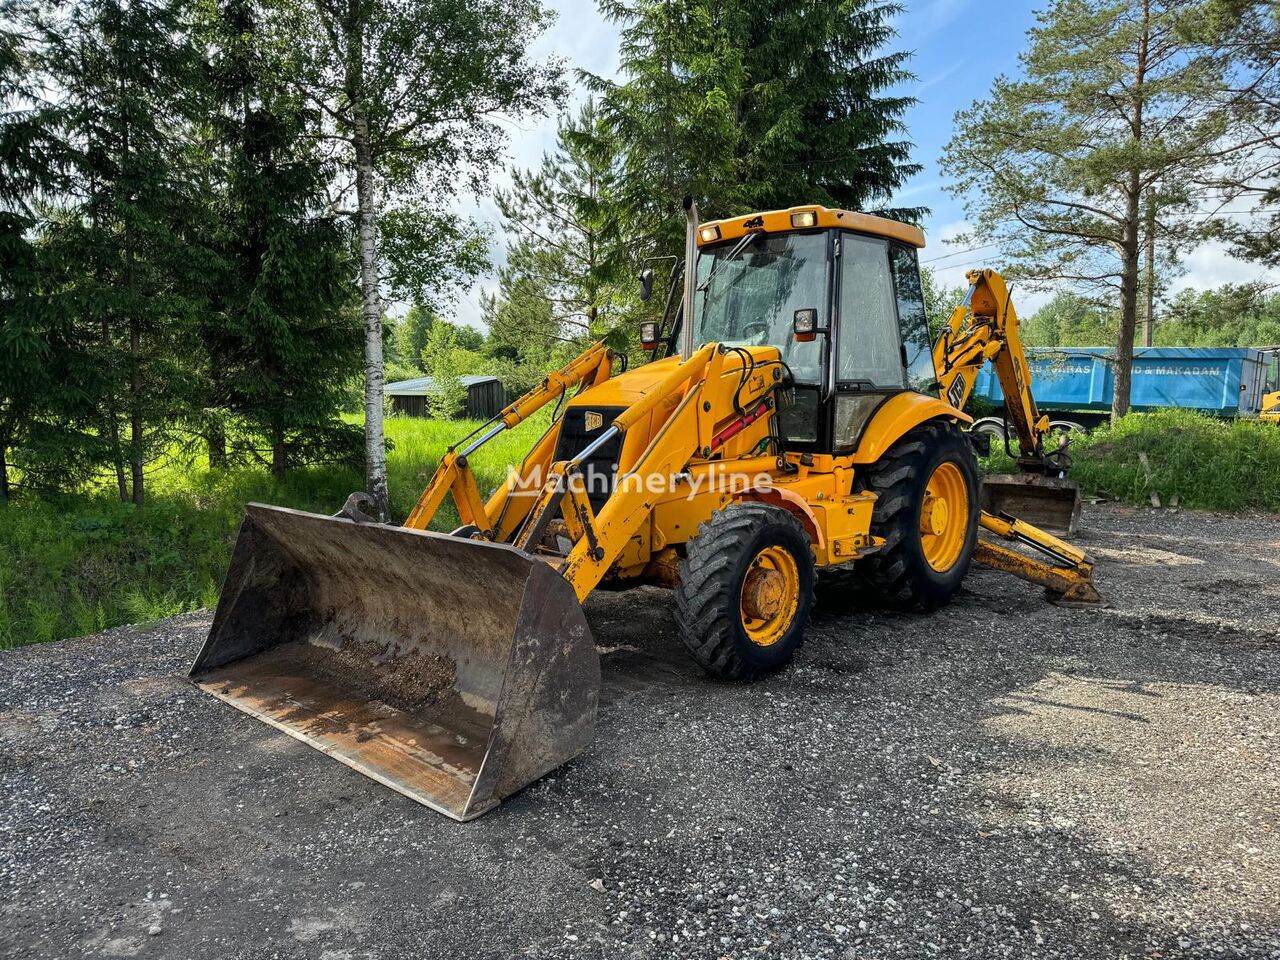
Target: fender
(895,417)
(791,502)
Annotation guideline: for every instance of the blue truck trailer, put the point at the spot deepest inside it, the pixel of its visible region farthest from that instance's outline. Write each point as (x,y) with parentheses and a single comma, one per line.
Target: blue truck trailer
(1073,385)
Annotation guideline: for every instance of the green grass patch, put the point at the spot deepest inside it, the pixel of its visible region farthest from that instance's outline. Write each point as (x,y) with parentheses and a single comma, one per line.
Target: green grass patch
(82,563)
(1204,462)
(77,564)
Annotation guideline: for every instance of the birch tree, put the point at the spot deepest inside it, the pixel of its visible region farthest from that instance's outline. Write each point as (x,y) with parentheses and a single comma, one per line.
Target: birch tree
(415,92)
(1116,114)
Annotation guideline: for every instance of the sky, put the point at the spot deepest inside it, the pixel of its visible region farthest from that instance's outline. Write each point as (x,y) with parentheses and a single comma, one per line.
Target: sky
(958,47)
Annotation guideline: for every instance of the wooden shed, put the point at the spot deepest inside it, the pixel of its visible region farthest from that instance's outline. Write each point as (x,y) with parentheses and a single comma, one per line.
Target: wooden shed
(486,396)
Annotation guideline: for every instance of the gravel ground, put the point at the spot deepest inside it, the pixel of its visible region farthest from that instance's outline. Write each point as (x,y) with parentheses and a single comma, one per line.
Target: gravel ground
(1003,779)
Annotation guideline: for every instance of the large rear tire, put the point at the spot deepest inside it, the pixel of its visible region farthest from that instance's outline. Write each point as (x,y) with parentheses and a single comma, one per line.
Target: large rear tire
(746,591)
(927,512)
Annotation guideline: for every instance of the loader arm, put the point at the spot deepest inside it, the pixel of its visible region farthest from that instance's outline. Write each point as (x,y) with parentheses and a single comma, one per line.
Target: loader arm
(698,426)
(454,476)
(985,328)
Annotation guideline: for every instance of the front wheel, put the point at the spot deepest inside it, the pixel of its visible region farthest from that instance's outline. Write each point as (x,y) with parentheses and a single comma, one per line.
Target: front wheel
(745,591)
(927,513)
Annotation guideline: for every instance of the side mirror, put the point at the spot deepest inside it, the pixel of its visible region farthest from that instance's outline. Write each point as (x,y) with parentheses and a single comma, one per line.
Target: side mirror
(649,334)
(646,284)
(804,325)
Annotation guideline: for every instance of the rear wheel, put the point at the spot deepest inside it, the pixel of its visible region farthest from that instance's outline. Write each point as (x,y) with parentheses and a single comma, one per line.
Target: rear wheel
(745,590)
(927,513)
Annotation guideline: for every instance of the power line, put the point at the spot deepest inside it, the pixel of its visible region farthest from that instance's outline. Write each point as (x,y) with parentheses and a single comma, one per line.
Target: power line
(1187,216)
(961,253)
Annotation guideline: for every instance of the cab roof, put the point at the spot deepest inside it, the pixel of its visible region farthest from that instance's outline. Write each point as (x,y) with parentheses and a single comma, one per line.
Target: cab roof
(778,221)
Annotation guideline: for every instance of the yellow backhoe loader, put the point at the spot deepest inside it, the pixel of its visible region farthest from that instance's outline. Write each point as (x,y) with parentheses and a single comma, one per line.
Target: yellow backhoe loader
(798,421)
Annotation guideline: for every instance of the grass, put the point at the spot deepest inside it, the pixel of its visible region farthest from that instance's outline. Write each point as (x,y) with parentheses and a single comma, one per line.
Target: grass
(1204,462)
(81,563)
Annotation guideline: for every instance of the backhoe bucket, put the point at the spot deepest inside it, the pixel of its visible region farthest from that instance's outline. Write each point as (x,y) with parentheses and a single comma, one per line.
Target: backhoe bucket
(1050,503)
(454,671)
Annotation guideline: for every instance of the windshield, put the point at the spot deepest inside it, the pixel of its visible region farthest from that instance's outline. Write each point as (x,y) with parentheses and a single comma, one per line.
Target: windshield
(752,299)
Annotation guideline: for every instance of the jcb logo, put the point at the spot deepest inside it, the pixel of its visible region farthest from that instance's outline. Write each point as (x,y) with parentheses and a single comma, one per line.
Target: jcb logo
(956,394)
(593,421)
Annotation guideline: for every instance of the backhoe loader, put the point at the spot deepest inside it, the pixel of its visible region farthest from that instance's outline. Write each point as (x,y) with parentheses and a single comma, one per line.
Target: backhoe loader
(794,418)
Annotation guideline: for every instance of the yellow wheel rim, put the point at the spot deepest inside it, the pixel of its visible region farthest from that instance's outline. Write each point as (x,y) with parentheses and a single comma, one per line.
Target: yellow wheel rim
(944,517)
(770,595)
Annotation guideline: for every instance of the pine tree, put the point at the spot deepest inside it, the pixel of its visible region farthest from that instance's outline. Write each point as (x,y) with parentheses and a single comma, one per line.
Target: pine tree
(568,251)
(1120,109)
(281,335)
(1249,177)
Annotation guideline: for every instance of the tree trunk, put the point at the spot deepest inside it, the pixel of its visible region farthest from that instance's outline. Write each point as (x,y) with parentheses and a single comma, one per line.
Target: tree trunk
(112,425)
(375,446)
(1130,244)
(136,426)
(215,439)
(4,472)
(1149,283)
(279,455)
(1128,307)
(117,454)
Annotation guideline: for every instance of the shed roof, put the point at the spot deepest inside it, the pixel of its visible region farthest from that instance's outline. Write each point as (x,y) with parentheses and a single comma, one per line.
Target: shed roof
(421,386)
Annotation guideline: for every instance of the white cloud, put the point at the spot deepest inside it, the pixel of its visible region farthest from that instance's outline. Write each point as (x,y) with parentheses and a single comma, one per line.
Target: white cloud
(1210,265)
(932,17)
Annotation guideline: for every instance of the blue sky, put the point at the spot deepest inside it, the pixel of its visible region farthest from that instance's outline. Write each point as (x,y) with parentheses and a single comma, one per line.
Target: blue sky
(958,47)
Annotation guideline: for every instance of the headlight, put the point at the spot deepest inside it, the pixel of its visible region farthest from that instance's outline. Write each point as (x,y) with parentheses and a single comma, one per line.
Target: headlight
(805,218)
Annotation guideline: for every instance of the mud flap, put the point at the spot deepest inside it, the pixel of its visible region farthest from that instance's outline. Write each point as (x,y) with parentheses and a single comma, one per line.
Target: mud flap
(454,671)
(1050,503)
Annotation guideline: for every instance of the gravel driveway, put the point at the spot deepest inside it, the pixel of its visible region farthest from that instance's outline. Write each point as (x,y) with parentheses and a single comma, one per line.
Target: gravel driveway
(1002,779)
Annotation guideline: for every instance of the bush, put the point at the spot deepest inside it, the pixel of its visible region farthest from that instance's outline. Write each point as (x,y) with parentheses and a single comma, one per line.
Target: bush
(1205,462)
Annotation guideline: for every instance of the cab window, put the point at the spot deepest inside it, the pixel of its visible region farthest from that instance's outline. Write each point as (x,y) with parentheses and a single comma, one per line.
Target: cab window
(748,295)
(912,321)
(868,353)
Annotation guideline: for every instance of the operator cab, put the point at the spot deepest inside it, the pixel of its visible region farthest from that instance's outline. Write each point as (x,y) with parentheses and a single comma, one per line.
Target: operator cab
(838,293)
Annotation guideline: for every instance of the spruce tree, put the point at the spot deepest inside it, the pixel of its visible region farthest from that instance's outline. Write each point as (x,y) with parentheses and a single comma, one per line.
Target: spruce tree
(281,333)
(819,121)
(754,105)
(124,255)
(41,375)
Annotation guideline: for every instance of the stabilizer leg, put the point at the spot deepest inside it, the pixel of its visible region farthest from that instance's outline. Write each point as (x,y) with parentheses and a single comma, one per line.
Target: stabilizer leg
(1067,577)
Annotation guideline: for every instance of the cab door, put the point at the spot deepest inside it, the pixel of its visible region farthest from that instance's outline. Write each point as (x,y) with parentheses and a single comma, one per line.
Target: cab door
(882,344)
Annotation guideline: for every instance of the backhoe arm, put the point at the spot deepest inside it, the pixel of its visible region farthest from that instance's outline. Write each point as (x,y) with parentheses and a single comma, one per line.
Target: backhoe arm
(1067,577)
(985,328)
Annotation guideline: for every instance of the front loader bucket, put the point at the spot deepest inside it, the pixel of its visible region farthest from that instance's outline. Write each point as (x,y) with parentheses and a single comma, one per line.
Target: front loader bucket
(454,671)
(1050,503)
